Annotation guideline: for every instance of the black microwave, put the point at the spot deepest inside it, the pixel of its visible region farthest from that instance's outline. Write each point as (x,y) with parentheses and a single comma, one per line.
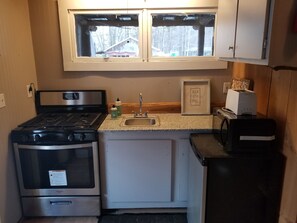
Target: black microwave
(244,133)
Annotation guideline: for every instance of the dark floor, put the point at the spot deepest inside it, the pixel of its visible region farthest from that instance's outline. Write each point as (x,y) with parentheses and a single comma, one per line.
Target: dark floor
(144,218)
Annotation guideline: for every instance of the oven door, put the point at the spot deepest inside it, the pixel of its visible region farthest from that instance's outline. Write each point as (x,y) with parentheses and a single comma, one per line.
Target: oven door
(56,170)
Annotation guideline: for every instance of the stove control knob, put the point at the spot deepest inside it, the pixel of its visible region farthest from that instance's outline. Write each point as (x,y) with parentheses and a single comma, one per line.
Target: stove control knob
(24,138)
(70,137)
(81,137)
(36,138)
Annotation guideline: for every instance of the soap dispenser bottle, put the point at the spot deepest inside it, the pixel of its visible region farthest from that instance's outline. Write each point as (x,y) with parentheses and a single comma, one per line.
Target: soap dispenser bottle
(114,112)
(118,105)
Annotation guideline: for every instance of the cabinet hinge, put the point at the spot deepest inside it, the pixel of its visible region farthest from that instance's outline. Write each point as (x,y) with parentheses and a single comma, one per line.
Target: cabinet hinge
(264,49)
(264,44)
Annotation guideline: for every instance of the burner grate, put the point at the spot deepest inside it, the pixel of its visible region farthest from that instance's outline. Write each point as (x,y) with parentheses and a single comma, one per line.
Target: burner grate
(59,120)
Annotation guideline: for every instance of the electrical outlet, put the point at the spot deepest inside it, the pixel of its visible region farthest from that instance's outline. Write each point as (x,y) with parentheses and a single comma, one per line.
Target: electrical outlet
(2,101)
(29,91)
(226,86)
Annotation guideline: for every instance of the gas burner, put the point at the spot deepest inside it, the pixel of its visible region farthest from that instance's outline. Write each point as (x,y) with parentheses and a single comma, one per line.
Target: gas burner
(62,120)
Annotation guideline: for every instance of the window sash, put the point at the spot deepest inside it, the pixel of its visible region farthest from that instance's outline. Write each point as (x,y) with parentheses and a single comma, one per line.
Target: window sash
(85,59)
(150,14)
(67,8)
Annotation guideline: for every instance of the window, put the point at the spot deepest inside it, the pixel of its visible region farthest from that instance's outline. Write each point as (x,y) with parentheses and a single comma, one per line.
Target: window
(107,35)
(182,34)
(136,39)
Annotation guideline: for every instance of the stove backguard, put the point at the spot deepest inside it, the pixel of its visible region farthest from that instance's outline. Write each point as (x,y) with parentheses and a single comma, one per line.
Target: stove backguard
(71,101)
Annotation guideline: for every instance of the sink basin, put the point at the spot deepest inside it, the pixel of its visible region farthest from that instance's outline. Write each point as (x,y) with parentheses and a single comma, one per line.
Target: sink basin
(151,121)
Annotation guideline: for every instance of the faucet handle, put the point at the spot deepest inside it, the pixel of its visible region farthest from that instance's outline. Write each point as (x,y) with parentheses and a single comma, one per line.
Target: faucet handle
(136,115)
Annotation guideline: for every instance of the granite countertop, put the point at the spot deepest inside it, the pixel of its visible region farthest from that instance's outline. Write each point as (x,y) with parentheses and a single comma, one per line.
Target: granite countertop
(168,122)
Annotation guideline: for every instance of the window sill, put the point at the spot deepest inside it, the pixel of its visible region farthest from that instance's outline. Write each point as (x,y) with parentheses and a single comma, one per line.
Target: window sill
(203,64)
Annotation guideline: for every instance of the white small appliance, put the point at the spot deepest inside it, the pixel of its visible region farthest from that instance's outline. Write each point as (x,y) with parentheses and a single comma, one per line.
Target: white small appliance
(241,102)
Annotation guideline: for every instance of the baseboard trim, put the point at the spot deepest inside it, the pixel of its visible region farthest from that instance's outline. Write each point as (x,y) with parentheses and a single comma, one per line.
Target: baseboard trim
(146,211)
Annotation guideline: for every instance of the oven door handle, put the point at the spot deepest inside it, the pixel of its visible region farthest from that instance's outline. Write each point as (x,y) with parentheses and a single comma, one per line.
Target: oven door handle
(60,202)
(55,147)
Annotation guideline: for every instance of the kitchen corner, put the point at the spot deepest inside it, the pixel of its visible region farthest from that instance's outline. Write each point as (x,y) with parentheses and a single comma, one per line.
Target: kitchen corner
(126,47)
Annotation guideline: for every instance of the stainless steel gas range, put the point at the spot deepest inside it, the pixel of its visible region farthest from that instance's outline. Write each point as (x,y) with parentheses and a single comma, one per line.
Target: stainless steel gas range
(56,154)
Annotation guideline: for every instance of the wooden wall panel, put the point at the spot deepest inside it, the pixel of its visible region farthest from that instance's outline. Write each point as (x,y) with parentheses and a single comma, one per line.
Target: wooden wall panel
(261,80)
(151,108)
(292,114)
(283,108)
(288,210)
(278,101)
(277,90)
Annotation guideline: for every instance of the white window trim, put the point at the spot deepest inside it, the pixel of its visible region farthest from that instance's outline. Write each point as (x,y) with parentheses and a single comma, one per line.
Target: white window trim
(145,62)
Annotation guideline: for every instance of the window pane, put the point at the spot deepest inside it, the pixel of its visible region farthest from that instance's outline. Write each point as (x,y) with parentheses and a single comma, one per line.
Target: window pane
(182,35)
(107,35)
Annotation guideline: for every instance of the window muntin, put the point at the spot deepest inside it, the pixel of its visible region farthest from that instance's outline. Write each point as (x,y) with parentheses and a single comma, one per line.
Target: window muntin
(107,35)
(178,34)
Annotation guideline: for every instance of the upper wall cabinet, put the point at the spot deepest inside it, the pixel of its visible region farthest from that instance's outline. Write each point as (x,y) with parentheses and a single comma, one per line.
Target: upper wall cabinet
(257,32)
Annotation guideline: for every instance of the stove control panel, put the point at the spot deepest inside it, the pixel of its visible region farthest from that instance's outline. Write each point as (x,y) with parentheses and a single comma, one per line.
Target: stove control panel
(81,137)
(50,138)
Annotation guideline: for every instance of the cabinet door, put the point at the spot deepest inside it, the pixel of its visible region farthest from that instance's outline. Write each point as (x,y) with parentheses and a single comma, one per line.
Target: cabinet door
(251,29)
(182,167)
(197,190)
(138,170)
(226,24)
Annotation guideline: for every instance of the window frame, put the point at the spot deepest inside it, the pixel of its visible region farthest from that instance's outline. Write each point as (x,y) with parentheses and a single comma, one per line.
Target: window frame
(85,59)
(144,62)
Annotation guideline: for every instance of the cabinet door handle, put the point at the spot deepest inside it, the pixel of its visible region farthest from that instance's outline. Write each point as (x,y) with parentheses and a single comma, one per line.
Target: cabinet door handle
(231,48)
(60,202)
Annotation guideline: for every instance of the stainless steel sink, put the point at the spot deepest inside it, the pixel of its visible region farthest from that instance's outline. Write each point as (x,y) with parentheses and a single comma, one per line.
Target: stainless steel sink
(150,121)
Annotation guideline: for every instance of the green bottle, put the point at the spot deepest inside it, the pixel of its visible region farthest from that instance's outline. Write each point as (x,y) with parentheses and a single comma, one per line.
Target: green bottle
(114,112)
(118,105)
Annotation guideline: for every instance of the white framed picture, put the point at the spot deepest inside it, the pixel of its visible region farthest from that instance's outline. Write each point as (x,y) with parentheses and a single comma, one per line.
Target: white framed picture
(195,97)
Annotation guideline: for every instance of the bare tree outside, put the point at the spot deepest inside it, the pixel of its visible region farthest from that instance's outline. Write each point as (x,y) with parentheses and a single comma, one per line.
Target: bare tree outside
(173,35)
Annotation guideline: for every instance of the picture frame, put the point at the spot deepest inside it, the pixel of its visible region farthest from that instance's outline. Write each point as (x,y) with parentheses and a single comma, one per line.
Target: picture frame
(195,97)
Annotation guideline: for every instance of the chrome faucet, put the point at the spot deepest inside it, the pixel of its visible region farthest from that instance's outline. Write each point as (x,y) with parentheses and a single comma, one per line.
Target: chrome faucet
(140,103)
(140,115)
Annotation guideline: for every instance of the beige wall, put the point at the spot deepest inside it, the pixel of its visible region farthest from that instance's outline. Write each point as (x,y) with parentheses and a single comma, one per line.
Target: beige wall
(17,69)
(155,86)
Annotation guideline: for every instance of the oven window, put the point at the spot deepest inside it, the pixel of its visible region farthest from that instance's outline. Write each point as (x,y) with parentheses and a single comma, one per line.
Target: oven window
(65,168)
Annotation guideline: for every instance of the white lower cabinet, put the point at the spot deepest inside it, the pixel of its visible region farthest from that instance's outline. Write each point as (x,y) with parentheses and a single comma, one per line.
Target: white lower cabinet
(144,169)
(139,170)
